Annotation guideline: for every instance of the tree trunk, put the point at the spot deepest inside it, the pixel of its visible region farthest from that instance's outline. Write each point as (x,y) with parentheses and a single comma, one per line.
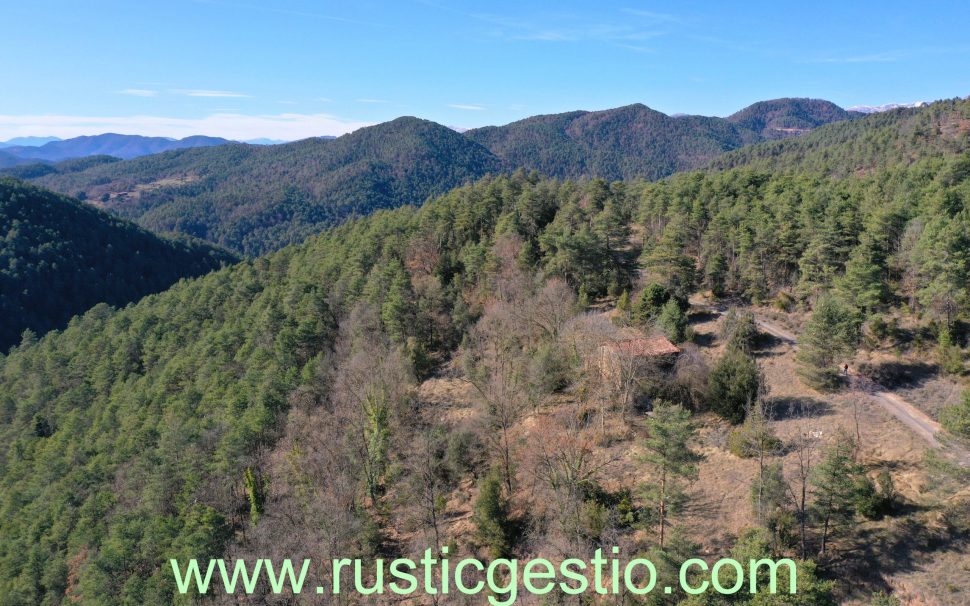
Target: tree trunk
(663,506)
(825,533)
(802,519)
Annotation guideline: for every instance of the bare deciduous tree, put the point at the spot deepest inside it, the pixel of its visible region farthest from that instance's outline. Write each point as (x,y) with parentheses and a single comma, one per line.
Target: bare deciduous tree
(553,306)
(371,392)
(566,468)
(498,371)
(805,448)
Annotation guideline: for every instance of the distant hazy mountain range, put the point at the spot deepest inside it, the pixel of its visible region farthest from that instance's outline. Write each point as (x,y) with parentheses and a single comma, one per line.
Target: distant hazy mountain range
(256,198)
(110,144)
(875,109)
(10,160)
(28,141)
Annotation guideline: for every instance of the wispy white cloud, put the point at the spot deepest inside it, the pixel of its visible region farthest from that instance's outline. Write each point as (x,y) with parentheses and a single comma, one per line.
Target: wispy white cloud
(288,126)
(571,28)
(550,36)
(638,48)
(653,16)
(368,100)
(467,106)
(208,93)
(138,92)
(267,7)
(889,56)
(324,99)
(870,58)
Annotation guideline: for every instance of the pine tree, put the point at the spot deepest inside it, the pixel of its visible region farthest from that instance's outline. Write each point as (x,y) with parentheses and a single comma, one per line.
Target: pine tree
(863,283)
(739,330)
(673,321)
(667,260)
(623,303)
(956,418)
(670,458)
(735,384)
(256,493)
(769,494)
(835,482)
(492,517)
(715,274)
(948,353)
(829,337)
(649,303)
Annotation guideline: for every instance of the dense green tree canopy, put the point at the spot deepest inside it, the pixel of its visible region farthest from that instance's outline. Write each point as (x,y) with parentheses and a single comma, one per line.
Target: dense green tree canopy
(143,433)
(59,258)
(133,433)
(254,199)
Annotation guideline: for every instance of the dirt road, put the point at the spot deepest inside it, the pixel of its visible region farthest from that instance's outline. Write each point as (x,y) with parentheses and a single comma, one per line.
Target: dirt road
(776,331)
(910,416)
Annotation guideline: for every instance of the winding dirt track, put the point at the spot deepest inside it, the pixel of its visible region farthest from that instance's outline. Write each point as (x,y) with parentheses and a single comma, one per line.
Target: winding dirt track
(910,416)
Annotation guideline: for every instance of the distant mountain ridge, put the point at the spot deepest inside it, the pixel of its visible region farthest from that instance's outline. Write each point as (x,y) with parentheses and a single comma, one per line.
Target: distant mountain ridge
(896,137)
(109,144)
(28,141)
(781,118)
(8,160)
(257,198)
(874,109)
(638,142)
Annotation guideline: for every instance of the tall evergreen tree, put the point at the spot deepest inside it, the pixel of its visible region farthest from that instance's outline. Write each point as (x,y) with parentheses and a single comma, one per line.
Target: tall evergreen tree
(864,282)
(735,385)
(835,482)
(670,458)
(829,338)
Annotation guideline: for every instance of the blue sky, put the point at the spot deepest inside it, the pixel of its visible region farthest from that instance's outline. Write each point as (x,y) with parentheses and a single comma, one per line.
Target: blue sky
(291,68)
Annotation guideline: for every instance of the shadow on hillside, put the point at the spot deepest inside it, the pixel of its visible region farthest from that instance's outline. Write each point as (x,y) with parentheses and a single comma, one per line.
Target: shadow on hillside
(877,553)
(705,507)
(768,353)
(699,317)
(703,339)
(767,341)
(798,408)
(899,374)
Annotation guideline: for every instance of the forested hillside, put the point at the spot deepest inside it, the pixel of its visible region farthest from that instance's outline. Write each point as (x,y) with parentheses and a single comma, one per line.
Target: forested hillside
(880,140)
(253,199)
(429,377)
(34,170)
(782,118)
(638,142)
(179,395)
(272,407)
(59,258)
